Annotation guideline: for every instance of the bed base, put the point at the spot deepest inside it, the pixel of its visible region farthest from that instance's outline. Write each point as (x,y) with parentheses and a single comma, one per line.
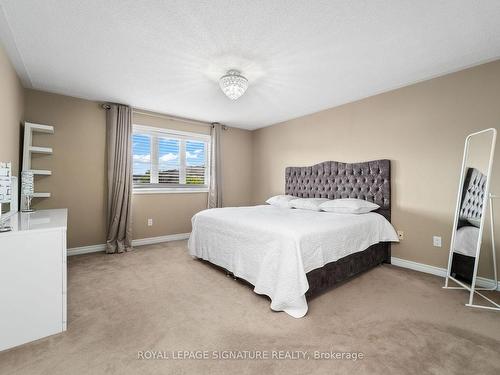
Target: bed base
(462,267)
(332,274)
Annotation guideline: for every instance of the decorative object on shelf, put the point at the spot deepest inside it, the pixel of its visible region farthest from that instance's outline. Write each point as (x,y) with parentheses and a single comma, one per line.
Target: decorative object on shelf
(233,84)
(27,189)
(29,149)
(5,193)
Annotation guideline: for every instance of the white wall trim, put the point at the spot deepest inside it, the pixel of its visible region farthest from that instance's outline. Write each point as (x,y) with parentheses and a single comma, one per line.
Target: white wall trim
(160,239)
(166,190)
(86,249)
(418,266)
(139,242)
(437,271)
(138,128)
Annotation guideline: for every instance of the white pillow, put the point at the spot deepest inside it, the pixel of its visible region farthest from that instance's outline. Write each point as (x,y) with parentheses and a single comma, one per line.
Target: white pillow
(349,206)
(312,204)
(280,201)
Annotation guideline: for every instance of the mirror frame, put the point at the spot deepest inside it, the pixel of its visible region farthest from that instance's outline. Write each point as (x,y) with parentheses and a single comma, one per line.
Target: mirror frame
(472,288)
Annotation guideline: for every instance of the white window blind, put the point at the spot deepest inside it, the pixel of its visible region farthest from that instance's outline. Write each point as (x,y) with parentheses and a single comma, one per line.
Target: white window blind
(169,160)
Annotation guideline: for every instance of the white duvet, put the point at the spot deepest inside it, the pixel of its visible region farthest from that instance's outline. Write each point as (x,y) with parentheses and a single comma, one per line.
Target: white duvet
(466,240)
(273,248)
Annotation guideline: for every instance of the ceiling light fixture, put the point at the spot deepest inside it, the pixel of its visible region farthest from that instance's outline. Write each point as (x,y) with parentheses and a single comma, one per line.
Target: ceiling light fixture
(233,84)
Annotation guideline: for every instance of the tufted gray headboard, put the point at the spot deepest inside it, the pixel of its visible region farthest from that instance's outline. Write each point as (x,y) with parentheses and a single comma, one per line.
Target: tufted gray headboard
(369,180)
(472,197)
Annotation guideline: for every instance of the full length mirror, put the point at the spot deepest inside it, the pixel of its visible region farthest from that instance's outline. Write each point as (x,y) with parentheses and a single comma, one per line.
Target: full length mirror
(473,199)
(470,213)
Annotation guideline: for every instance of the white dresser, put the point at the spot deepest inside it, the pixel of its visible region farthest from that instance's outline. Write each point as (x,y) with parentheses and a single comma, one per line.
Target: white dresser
(33,277)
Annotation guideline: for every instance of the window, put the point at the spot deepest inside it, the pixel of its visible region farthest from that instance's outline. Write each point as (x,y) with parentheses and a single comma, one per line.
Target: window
(169,160)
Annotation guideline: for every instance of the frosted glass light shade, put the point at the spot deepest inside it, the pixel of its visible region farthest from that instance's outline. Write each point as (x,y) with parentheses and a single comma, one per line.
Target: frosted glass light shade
(233,84)
(27,188)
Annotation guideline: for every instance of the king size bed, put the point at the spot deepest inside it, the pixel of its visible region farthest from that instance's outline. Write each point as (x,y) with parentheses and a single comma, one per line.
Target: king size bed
(292,255)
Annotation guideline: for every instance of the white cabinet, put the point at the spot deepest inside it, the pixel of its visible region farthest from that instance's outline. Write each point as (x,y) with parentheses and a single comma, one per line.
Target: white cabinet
(33,277)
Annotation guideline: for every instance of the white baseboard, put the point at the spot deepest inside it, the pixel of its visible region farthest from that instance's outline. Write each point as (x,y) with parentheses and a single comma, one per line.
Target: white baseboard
(438,271)
(418,266)
(138,242)
(86,249)
(160,239)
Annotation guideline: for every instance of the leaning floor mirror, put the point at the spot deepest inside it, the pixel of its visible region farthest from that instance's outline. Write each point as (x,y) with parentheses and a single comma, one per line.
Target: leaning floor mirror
(474,203)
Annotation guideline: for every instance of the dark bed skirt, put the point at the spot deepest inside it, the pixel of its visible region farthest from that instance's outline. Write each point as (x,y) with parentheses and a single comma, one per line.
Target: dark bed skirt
(334,273)
(331,274)
(462,267)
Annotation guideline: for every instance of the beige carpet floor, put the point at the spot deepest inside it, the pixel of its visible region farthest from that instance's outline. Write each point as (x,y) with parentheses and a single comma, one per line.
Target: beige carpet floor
(157,298)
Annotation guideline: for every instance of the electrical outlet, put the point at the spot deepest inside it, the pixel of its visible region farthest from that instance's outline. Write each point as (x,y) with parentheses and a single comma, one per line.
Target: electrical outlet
(401,235)
(150,222)
(436,241)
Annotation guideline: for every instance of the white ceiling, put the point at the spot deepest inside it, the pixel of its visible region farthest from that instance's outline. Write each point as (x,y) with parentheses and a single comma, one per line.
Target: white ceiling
(299,56)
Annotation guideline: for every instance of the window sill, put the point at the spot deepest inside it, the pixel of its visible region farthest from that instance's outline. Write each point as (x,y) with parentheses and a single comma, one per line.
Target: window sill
(169,191)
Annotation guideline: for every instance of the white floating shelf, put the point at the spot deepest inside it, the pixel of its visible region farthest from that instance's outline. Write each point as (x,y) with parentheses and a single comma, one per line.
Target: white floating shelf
(41,172)
(41,195)
(41,150)
(40,128)
(29,149)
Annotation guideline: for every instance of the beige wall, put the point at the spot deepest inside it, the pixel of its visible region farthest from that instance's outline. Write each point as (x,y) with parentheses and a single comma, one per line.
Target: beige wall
(11,112)
(78,164)
(421,128)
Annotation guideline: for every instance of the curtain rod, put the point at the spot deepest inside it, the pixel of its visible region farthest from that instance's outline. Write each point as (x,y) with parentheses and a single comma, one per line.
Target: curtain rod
(139,111)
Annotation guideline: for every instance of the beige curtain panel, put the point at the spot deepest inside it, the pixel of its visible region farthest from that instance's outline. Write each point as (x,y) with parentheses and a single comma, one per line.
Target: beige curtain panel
(119,155)
(215,184)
